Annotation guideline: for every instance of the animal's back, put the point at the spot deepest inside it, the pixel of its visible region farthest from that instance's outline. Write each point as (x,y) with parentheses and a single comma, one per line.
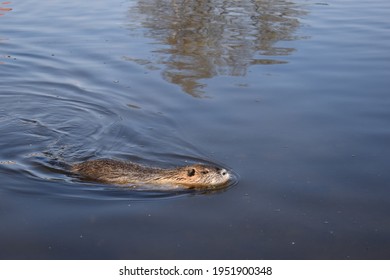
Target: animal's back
(108,170)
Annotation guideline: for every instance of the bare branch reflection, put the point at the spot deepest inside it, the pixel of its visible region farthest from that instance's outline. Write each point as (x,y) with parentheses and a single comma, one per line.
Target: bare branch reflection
(202,39)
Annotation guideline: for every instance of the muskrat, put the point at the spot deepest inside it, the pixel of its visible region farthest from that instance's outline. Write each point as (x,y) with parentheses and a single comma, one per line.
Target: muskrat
(196,176)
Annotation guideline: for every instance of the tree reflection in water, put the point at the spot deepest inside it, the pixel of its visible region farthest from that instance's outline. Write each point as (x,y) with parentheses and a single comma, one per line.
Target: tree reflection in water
(203,39)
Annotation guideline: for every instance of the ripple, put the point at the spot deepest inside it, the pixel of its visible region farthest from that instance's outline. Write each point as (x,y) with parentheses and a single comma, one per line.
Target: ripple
(49,131)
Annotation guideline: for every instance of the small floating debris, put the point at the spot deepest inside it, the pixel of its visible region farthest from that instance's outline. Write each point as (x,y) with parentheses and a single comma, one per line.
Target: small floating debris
(7,162)
(133,106)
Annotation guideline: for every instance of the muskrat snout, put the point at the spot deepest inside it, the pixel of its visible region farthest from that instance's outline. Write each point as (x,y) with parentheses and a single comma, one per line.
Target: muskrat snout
(222,171)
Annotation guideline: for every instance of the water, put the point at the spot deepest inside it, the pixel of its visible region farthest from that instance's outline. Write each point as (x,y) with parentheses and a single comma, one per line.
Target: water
(293,96)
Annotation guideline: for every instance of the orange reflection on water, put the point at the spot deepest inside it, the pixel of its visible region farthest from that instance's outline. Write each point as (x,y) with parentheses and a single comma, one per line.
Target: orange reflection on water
(2,9)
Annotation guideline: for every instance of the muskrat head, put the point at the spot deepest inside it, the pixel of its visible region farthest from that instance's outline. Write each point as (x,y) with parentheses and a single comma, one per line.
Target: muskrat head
(203,176)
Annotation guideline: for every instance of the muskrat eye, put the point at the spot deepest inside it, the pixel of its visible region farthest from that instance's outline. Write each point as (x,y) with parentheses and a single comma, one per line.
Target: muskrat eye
(191,172)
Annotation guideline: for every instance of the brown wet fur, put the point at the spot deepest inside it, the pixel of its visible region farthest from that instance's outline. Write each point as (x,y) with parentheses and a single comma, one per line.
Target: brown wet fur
(124,173)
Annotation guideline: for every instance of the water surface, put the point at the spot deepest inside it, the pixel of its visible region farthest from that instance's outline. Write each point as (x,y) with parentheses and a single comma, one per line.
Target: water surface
(293,96)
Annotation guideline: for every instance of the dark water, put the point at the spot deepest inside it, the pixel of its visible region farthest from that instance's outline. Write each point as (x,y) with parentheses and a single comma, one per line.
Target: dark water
(293,96)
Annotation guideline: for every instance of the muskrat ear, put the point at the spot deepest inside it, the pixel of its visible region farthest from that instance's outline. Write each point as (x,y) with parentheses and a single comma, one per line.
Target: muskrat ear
(191,172)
